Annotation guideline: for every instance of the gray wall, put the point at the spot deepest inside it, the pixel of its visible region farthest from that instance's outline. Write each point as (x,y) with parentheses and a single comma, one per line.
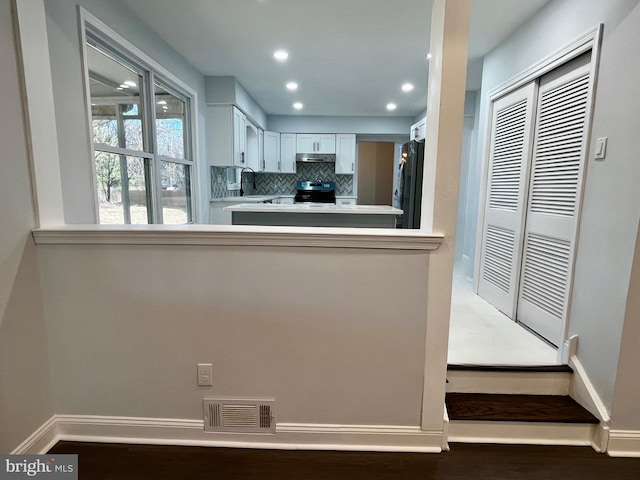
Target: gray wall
(71,114)
(467,218)
(227,90)
(336,124)
(128,324)
(25,389)
(611,196)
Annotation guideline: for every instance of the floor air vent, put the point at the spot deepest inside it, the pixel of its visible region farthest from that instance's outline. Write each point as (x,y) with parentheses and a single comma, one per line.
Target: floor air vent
(239,415)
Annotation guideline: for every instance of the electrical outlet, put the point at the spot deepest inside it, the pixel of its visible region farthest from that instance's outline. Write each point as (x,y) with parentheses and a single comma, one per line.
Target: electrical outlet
(205,374)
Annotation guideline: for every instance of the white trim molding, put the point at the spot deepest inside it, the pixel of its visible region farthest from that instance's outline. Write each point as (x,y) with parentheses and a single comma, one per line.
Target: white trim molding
(523,433)
(585,42)
(583,392)
(288,436)
(39,441)
(624,443)
(221,235)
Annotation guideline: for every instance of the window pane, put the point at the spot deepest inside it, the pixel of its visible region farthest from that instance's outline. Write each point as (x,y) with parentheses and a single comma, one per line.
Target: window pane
(176,193)
(170,124)
(123,186)
(115,101)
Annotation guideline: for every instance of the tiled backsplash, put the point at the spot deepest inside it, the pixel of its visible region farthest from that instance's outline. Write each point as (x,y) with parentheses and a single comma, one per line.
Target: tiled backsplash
(281,183)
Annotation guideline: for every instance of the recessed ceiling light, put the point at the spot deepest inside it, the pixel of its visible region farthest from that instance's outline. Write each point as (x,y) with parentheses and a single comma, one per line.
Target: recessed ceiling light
(391,106)
(407,87)
(129,83)
(280,55)
(428,55)
(162,102)
(119,88)
(292,86)
(298,106)
(124,86)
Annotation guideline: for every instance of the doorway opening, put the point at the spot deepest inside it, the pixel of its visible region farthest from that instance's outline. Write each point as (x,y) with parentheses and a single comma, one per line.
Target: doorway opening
(514,262)
(376,173)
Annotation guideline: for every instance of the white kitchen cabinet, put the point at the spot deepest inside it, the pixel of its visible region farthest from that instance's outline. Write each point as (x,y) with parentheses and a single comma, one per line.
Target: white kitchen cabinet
(226,136)
(252,147)
(345,153)
(287,153)
(217,216)
(239,138)
(315,143)
(260,150)
(271,158)
(418,130)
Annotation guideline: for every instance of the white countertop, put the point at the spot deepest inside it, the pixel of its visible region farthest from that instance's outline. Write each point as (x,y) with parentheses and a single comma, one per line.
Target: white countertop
(315,208)
(247,199)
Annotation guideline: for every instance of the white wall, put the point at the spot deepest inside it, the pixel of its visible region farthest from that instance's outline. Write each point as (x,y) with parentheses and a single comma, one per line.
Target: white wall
(71,114)
(611,196)
(25,390)
(336,336)
(337,124)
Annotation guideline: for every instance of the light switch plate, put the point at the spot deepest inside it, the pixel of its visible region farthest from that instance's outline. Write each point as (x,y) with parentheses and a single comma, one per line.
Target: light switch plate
(601,148)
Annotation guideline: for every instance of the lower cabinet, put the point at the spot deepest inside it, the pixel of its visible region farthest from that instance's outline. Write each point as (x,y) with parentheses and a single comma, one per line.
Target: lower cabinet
(217,216)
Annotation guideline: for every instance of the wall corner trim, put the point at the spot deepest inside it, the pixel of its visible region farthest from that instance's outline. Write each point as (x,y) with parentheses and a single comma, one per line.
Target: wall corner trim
(39,441)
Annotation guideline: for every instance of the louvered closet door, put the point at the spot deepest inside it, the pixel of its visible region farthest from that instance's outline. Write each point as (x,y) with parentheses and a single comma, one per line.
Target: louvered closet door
(551,221)
(509,161)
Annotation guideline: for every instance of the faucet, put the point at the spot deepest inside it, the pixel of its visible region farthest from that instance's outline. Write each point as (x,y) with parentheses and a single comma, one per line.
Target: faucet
(254,179)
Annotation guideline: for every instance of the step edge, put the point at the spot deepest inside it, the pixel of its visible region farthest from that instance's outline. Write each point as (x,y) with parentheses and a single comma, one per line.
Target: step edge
(511,368)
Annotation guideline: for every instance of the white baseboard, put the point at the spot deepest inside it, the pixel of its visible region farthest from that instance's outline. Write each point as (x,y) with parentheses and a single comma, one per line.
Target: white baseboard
(624,443)
(288,436)
(39,441)
(583,391)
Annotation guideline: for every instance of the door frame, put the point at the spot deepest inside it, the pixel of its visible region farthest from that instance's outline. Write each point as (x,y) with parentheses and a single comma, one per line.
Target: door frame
(590,40)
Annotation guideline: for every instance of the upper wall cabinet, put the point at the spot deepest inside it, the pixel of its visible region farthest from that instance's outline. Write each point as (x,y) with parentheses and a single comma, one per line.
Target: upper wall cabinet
(418,130)
(288,152)
(226,136)
(315,143)
(271,160)
(253,147)
(345,153)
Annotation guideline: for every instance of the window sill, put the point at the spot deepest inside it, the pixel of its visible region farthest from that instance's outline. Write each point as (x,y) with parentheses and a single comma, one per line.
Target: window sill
(224,235)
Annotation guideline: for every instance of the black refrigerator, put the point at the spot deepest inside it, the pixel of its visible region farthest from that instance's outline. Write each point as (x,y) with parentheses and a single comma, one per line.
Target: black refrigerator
(409,193)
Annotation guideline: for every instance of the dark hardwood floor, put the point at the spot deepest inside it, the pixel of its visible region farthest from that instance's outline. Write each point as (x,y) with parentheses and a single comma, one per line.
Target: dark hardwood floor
(464,461)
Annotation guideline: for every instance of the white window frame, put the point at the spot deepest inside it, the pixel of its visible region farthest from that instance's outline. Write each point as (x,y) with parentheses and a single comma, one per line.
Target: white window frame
(153,74)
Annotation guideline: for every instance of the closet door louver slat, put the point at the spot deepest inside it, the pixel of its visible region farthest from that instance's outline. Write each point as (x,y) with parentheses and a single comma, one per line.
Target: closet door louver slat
(510,151)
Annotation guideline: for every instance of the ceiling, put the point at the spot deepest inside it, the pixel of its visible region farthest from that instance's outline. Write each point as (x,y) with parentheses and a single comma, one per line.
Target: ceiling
(348,57)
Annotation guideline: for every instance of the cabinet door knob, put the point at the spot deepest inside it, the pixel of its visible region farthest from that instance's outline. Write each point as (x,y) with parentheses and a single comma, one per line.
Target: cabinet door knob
(242,157)
(353,166)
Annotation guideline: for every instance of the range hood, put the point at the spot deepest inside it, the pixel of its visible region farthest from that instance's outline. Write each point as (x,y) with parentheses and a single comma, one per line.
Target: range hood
(316,157)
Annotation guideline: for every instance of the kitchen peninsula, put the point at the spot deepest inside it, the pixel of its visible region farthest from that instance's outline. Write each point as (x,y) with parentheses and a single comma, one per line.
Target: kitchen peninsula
(314,215)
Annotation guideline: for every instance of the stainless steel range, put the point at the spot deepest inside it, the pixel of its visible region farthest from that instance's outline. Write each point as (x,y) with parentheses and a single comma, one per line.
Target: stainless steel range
(316,191)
